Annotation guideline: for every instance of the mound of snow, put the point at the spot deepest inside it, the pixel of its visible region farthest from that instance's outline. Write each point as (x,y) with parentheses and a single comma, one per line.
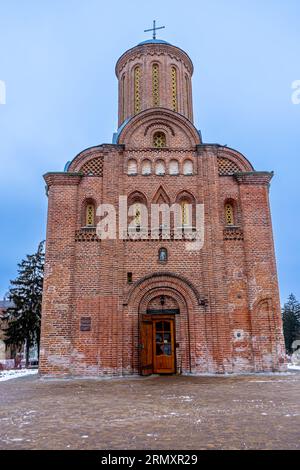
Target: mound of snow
(16,373)
(293,367)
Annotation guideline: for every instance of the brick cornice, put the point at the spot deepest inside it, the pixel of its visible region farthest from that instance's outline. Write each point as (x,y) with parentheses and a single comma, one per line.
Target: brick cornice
(160,150)
(62,178)
(254,177)
(154,49)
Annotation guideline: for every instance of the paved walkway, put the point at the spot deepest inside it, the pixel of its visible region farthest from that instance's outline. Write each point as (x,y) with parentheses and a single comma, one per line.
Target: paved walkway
(241,412)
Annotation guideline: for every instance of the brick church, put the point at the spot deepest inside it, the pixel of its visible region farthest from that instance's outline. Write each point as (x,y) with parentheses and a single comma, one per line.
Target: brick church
(143,303)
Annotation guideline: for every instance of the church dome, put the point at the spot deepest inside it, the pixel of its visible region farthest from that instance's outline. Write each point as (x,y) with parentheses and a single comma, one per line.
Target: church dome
(154,41)
(154,74)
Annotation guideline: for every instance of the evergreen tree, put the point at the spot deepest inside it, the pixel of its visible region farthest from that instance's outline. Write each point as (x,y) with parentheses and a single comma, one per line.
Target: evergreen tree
(291,322)
(24,317)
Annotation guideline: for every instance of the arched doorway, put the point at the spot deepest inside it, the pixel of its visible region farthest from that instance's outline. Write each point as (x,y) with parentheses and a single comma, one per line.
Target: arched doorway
(143,305)
(158,336)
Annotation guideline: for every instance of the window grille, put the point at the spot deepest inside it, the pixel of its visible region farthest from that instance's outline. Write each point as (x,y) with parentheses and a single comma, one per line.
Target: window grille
(155,85)
(229,217)
(93,167)
(137,214)
(174,88)
(227,167)
(187,90)
(90,215)
(185,212)
(159,140)
(137,91)
(123,98)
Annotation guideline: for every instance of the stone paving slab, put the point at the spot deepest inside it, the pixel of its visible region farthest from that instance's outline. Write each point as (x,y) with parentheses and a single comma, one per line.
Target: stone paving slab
(236,412)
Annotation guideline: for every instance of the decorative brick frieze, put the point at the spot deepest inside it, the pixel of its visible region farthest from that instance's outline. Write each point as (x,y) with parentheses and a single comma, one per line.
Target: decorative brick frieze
(155,49)
(233,233)
(86,234)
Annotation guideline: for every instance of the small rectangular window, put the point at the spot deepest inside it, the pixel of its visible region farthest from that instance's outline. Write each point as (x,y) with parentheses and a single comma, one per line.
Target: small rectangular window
(129,278)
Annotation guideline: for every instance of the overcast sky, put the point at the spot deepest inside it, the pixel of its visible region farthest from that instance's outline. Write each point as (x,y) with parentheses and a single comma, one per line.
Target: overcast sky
(57,60)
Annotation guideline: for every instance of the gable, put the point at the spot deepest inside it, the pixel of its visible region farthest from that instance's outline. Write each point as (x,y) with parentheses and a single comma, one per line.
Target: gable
(142,129)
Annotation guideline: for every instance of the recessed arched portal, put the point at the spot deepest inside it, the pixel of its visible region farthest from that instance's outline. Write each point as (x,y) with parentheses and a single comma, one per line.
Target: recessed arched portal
(158,333)
(163,308)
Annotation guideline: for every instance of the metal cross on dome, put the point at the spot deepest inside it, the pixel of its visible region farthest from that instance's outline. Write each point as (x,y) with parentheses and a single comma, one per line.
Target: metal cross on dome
(154,29)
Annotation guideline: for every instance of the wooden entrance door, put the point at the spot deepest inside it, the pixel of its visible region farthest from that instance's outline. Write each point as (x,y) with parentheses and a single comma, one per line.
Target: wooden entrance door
(146,347)
(163,346)
(158,346)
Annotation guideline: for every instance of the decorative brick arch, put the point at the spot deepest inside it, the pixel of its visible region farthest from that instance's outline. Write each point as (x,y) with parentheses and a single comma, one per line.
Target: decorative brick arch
(161,193)
(93,156)
(157,292)
(265,332)
(186,195)
(152,119)
(137,196)
(167,279)
(182,322)
(156,124)
(231,161)
(188,299)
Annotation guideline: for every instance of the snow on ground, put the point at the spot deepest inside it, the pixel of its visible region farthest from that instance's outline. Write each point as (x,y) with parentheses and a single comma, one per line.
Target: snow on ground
(292,367)
(16,373)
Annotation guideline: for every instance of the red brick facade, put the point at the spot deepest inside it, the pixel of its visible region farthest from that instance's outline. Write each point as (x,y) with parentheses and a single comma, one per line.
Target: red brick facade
(225,295)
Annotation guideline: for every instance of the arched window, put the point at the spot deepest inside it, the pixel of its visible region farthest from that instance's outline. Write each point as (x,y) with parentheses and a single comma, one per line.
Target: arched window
(162,255)
(174,167)
(146,167)
(187,91)
(174,88)
(155,85)
(123,97)
(132,167)
(229,214)
(137,91)
(159,140)
(160,168)
(90,215)
(137,214)
(185,212)
(188,167)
